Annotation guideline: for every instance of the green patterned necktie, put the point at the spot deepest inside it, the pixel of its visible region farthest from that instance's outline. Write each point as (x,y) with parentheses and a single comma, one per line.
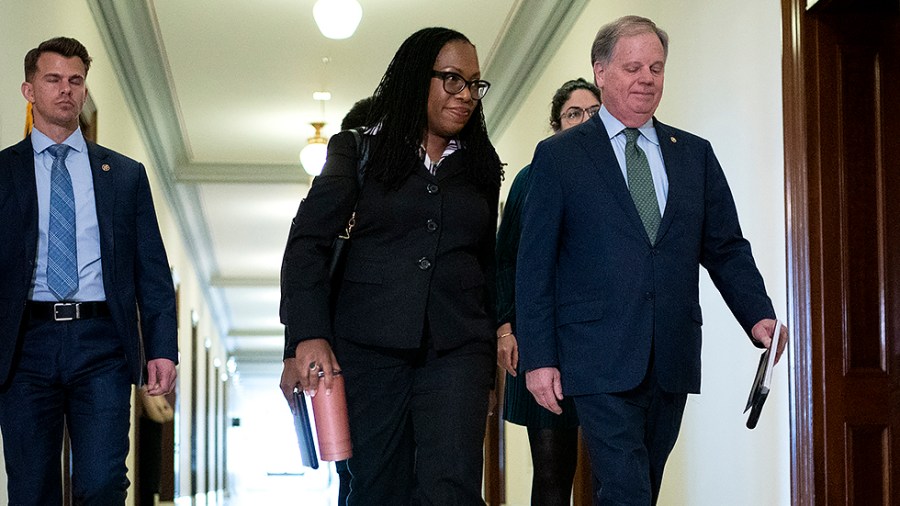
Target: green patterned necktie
(640,183)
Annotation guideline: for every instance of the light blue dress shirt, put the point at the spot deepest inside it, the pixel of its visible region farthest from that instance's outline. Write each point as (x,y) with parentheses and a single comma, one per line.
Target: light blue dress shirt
(87,229)
(649,143)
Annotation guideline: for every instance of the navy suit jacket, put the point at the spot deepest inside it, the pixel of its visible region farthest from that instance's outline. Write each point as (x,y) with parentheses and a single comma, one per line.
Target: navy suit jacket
(594,297)
(136,274)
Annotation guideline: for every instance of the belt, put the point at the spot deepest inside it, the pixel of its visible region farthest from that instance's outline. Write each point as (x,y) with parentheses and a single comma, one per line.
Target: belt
(65,311)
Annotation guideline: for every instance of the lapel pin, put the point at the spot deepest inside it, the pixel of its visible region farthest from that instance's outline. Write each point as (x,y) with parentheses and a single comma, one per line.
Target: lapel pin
(673,140)
(105,167)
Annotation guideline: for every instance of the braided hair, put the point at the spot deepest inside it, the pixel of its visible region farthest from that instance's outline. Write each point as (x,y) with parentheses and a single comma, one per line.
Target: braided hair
(400,108)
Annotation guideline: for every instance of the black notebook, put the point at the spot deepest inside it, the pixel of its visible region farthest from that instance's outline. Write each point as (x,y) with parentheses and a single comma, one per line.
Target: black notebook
(304,431)
(763,380)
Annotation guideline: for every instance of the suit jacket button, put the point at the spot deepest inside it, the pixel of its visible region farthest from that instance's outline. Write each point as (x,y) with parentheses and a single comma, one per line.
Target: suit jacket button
(431,225)
(432,189)
(424,264)
(648,296)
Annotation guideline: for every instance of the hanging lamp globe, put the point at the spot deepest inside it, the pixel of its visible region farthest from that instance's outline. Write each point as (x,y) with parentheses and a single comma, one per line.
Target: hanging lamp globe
(337,19)
(312,156)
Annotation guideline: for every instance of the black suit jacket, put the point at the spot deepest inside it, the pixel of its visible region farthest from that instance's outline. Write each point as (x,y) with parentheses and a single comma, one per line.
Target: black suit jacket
(136,272)
(593,295)
(419,255)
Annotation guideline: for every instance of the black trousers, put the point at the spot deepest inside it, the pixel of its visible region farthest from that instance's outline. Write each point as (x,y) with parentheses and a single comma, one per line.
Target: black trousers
(629,436)
(417,421)
(73,372)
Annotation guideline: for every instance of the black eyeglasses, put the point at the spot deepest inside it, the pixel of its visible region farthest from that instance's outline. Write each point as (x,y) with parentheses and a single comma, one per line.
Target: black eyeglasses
(454,84)
(576,114)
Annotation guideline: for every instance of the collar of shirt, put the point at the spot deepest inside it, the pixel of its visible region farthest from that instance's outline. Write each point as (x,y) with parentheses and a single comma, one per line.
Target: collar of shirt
(451,148)
(615,127)
(649,143)
(40,142)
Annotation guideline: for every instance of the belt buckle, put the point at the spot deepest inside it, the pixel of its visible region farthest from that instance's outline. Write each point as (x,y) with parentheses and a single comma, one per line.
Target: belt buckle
(64,318)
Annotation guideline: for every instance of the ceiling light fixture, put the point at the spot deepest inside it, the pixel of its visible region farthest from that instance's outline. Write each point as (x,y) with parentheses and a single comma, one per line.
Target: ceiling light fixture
(337,19)
(312,156)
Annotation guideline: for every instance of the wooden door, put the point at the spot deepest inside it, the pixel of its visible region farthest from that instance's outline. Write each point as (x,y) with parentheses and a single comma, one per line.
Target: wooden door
(842,158)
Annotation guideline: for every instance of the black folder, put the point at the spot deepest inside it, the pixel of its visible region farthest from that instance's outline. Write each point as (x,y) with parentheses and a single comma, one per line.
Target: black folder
(763,380)
(304,431)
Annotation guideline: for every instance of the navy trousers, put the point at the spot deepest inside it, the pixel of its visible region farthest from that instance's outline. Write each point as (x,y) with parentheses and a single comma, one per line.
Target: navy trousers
(417,421)
(629,436)
(74,373)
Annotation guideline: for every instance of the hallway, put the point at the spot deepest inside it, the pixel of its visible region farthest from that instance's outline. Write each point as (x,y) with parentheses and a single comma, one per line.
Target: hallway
(224,217)
(263,455)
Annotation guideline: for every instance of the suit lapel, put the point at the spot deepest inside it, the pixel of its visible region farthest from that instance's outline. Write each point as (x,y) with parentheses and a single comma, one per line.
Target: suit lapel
(451,166)
(25,188)
(594,138)
(23,177)
(673,157)
(103,175)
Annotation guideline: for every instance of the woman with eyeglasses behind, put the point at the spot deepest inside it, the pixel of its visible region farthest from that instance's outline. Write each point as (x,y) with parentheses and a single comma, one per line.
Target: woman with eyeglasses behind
(413,320)
(553,438)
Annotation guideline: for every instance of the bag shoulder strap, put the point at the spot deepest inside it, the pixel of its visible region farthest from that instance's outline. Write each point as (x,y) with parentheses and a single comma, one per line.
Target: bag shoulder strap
(362,155)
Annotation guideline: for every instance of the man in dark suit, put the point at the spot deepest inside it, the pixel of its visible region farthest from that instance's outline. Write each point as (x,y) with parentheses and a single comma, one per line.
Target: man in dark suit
(623,211)
(81,255)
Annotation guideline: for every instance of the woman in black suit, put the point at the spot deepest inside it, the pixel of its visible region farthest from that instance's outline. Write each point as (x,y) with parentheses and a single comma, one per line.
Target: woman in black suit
(413,325)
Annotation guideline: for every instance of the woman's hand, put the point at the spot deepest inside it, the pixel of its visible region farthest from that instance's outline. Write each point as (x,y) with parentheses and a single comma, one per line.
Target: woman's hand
(313,362)
(507,349)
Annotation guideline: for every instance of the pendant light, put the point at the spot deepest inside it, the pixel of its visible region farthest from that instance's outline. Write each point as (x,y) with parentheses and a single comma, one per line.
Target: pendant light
(337,19)
(312,156)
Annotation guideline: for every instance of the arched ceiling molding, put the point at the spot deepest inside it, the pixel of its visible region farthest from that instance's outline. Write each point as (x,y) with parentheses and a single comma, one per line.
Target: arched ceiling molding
(131,36)
(532,37)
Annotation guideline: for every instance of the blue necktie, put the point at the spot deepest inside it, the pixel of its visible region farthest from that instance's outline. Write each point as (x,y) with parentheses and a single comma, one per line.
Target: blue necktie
(62,256)
(640,183)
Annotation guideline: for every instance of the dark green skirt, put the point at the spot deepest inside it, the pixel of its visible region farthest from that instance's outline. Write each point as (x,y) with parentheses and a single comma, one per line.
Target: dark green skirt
(520,408)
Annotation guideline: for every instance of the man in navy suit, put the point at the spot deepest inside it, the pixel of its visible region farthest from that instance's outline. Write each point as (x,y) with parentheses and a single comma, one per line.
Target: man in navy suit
(87,303)
(623,211)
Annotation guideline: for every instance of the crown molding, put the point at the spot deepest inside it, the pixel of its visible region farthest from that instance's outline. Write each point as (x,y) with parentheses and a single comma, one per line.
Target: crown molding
(533,35)
(131,35)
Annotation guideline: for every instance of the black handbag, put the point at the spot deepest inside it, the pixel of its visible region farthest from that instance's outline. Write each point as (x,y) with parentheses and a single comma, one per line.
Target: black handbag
(341,243)
(339,247)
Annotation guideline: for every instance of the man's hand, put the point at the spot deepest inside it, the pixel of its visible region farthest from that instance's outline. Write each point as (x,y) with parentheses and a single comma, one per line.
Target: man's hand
(544,384)
(313,361)
(160,376)
(762,332)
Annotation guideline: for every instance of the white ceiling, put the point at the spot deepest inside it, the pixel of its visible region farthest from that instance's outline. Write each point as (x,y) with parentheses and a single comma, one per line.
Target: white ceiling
(222,90)
(261,61)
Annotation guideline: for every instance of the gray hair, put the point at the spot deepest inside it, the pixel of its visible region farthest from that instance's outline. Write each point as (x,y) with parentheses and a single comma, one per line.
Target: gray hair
(609,35)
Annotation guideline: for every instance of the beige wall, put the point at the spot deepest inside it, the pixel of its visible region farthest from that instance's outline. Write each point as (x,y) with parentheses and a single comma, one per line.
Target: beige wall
(117,130)
(723,82)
